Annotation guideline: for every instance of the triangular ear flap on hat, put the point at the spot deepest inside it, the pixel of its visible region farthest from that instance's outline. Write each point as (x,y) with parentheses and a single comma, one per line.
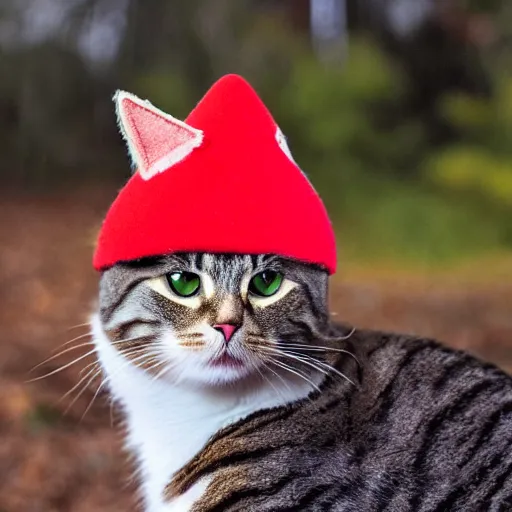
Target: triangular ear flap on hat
(156,141)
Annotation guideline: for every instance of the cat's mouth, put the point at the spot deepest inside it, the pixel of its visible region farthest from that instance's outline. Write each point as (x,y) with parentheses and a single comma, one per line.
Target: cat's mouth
(226,360)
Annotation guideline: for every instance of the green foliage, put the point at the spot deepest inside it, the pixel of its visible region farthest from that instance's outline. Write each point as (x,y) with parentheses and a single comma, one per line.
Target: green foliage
(484,5)
(368,169)
(335,116)
(481,161)
(409,224)
(168,90)
(470,168)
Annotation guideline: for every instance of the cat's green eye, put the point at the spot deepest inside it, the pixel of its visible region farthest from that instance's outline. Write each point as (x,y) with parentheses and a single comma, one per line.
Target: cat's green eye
(184,284)
(266,283)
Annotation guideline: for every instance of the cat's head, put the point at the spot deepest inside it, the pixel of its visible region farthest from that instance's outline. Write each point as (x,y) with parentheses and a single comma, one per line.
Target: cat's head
(214,319)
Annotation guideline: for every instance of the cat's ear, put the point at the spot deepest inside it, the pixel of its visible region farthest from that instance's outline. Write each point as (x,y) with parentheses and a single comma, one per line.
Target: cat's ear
(156,141)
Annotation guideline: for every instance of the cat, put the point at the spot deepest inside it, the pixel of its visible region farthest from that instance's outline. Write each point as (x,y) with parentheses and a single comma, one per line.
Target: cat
(241,394)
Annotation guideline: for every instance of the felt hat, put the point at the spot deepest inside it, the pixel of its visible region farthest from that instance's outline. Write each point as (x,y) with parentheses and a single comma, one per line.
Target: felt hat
(223,181)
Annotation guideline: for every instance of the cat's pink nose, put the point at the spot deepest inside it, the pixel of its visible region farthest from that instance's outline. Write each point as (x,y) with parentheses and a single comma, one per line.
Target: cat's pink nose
(226,329)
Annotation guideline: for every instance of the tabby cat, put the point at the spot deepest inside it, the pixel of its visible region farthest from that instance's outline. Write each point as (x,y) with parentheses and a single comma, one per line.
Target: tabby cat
(240,394)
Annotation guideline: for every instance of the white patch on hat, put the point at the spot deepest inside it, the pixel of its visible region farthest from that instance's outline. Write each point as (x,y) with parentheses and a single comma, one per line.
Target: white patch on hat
(281,140)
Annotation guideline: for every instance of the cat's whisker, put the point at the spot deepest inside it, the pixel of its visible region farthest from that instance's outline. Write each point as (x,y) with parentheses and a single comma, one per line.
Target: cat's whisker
(305,359)
(277,375)
(78,325)
(309,348)
(342,338)
(70,349)
(260,347)
(103,382)
(62,368)
(314,348)
(71,341)
(267,367)
(95,368)
(85,386)
(284,366)
(319,335)
(265,378)
(335,370)
(71,363)
(304,347)
(285,383)
(100,387)
(95,362)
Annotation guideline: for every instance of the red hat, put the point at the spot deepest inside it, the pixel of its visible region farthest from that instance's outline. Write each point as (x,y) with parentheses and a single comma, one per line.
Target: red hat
(223,181)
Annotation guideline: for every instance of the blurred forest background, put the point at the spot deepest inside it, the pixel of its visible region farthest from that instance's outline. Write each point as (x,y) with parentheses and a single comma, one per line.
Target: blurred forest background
(400,112)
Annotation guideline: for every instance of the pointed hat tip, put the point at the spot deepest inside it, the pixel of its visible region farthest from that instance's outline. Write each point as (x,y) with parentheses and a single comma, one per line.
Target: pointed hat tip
(231,101)
(232,81)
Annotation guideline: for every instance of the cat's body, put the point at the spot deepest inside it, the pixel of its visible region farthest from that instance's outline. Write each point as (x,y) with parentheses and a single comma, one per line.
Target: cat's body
(413,437)
(332,419)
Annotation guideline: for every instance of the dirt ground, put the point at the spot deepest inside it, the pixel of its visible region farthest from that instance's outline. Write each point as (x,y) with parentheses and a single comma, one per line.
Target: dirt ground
(51,461)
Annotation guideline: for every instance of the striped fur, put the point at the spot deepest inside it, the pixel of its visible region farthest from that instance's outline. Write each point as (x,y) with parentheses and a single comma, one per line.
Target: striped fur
(396,424)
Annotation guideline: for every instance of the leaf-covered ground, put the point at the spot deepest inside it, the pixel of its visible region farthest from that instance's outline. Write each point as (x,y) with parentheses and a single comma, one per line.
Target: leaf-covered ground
(51,461)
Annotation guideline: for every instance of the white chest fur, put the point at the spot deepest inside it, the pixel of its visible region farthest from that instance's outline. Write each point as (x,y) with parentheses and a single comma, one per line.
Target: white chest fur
(167,424)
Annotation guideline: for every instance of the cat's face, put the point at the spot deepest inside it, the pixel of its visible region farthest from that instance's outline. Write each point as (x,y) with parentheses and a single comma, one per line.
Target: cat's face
(213,319)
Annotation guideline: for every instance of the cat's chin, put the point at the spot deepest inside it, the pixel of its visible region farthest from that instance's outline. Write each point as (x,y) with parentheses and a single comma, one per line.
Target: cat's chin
(221,375)
(216,374)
